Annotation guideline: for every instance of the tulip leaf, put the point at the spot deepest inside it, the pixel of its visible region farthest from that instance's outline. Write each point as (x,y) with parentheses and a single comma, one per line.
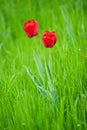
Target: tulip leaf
(36,81)
(51,86)
(50,68)
(38,85)
(48,72)
(51,92)
(39,66)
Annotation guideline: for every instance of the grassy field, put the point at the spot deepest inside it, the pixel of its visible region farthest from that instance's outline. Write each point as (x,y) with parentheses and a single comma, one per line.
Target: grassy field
(41,88)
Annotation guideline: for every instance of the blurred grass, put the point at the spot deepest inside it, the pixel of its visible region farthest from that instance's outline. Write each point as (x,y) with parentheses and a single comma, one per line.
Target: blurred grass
(21,105)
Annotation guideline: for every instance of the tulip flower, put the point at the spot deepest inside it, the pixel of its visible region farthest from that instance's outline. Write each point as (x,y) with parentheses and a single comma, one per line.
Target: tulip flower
(49,39)
(31,28)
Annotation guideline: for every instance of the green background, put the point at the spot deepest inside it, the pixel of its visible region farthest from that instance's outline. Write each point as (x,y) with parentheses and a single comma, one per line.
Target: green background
(21,105)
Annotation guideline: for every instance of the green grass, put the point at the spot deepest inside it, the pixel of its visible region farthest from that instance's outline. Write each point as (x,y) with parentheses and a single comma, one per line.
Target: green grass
(25,65)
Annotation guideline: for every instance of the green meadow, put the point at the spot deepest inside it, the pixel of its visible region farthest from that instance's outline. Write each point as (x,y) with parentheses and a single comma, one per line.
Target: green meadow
(43,88)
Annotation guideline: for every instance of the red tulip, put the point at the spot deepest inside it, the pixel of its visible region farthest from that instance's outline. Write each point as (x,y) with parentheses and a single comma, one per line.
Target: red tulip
(49,39)
(31,28)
